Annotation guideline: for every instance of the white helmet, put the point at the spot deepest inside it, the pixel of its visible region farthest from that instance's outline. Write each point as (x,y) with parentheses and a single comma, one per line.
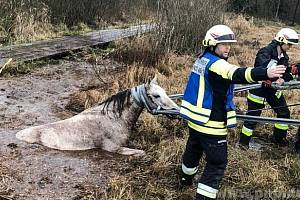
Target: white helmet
(218,34)
(287,36)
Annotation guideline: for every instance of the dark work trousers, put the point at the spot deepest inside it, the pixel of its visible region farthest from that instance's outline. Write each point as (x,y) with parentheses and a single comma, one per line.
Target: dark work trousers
(215,149)
(278,105)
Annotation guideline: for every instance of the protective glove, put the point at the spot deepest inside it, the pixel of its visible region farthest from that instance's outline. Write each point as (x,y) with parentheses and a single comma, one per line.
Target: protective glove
(295,69)
(266,84)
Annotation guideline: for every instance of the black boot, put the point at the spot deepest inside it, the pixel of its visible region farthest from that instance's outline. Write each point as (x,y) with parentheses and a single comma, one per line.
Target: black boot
(185,180)
(201,197)
(279,137)
(243,143)
(244,140)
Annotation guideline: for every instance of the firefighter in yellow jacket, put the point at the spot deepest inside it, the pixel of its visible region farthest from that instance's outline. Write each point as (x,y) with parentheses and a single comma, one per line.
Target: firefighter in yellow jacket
(208,107)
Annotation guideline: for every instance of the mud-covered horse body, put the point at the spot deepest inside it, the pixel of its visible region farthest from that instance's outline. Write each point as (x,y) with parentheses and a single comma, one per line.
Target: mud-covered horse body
(106,126)
(87,130)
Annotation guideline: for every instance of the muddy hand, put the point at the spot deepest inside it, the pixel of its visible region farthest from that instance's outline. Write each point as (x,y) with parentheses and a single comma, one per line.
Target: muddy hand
(275,72)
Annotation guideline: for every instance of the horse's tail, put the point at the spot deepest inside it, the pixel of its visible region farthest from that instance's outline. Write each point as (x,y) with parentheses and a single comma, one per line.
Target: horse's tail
(30,135)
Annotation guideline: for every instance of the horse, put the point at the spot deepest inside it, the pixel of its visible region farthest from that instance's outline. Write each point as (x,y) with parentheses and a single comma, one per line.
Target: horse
(107,125)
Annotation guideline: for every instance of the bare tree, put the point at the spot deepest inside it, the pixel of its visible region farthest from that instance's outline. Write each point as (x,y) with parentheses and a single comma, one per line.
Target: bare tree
(277,9)
(295,12)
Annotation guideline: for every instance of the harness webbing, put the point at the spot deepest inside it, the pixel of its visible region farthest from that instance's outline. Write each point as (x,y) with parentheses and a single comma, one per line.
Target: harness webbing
(141,98)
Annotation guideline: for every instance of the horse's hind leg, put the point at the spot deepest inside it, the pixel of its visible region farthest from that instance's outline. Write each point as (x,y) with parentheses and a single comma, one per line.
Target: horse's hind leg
(114,148)
(130,152)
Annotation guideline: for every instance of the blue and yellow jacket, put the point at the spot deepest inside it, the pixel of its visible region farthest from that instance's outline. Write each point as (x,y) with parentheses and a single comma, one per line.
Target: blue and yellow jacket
(207,103)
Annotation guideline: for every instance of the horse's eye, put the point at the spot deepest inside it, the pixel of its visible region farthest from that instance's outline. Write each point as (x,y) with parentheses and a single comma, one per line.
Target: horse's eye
(156,96)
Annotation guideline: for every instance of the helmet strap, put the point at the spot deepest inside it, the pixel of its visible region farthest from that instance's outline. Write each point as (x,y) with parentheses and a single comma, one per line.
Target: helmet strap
(281,47)
(214,48)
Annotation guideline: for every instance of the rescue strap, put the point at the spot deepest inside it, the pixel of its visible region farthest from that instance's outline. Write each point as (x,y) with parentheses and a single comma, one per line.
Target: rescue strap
(285,86)
(141,98)
(289,105)
(240,117)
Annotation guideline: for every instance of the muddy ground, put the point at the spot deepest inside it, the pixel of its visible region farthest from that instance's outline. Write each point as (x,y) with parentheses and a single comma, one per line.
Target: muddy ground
(30,171)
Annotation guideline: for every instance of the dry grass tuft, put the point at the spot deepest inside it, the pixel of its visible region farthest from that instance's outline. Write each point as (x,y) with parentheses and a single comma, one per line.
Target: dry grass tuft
(5,177)
(123,189)
(239,23)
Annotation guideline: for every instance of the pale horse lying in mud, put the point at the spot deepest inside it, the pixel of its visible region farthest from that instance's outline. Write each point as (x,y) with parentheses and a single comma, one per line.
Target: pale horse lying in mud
(106,126)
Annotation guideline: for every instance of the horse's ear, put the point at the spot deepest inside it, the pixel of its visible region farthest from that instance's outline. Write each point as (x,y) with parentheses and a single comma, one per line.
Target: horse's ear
(147,84)
(154,80)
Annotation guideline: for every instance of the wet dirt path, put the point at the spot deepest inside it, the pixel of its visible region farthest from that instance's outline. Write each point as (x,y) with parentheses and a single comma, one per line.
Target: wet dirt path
(37,172)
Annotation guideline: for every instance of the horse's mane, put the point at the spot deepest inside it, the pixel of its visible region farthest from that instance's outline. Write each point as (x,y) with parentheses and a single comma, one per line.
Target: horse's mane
(118,100)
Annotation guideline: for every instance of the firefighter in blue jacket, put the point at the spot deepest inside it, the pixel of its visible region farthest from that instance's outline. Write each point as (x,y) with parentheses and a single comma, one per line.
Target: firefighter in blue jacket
(273,54)
(208,107)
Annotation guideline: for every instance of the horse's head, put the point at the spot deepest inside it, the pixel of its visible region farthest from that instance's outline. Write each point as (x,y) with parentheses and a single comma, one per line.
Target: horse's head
(158,95)
(152,96)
